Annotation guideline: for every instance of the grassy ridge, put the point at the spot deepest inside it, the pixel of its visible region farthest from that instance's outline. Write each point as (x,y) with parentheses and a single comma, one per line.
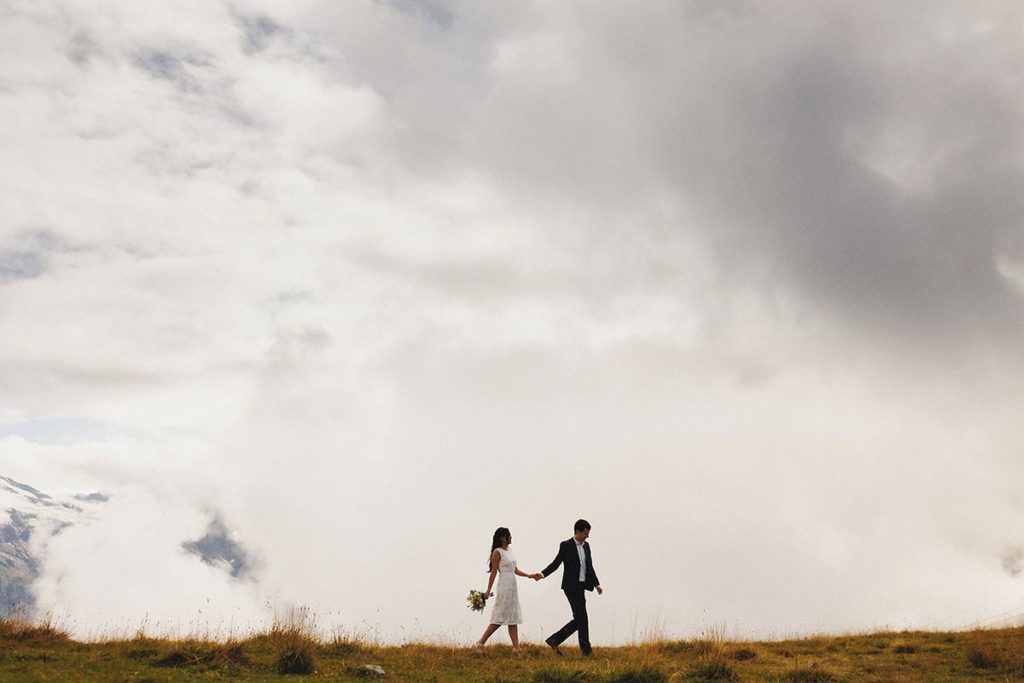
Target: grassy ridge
(41,652)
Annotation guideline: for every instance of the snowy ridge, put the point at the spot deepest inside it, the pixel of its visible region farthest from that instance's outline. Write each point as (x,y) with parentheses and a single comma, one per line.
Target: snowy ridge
(28,517)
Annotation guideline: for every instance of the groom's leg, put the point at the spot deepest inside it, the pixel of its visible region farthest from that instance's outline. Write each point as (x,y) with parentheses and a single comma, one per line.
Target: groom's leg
(579,615)
(561,634)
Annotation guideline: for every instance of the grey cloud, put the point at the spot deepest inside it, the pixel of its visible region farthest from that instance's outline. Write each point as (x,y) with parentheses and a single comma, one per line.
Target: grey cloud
(258,32)
(1013,560)
(430,82)
(430,11)
(841,235)
(48,240)
(81,48)
(20,265)
(766,125)
(29,255)
(780,176)
(289,297)
(172,66)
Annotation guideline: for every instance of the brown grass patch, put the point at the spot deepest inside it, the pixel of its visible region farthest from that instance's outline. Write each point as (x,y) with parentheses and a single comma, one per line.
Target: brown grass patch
(21,630)
(197,652)
(982,652)
(811,674)
(294,643)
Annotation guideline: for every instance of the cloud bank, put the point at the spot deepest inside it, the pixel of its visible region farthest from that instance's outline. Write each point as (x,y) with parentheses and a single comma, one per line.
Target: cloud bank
(740,284)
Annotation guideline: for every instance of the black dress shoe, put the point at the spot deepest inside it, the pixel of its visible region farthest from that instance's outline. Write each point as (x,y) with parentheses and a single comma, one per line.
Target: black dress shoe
(554,646)
(588,653)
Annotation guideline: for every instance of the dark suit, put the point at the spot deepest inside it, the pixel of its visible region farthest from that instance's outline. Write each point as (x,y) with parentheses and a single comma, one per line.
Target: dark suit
(575,590)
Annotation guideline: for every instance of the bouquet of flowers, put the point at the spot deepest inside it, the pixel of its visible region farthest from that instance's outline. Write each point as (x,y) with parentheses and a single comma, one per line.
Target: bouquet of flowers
(476,601)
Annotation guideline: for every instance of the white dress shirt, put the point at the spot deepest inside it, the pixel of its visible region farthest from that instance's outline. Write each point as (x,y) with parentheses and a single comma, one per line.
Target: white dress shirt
(583,561)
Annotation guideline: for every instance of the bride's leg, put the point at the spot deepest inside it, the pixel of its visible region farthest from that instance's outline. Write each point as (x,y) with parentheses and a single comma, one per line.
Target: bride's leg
(488,632)
(513,634)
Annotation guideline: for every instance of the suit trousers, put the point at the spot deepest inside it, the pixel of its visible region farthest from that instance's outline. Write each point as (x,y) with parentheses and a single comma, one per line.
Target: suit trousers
(577,598)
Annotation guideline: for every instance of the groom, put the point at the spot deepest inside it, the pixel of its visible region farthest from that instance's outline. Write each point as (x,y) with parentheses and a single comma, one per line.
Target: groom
(578,576)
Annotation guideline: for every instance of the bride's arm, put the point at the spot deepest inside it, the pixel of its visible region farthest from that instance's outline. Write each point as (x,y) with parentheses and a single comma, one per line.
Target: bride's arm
(495,559)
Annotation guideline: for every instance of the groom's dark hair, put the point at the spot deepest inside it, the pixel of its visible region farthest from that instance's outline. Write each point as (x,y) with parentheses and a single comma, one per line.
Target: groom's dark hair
(581,525)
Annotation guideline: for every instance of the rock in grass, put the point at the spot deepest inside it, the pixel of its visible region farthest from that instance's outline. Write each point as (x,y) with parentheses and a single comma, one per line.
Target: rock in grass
(368,671)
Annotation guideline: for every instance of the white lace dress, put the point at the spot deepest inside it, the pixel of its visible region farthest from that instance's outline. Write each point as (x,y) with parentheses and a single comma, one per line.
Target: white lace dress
(506,610)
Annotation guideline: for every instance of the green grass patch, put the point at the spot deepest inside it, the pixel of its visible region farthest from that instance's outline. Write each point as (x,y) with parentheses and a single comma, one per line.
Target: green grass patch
(560,676)
(645,674)
(716,670)
(811,675)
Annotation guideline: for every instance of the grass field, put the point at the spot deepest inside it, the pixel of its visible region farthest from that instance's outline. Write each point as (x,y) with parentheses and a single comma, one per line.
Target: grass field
(40,652)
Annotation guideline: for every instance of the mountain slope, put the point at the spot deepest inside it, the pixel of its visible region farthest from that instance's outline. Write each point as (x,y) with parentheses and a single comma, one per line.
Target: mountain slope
(28,519)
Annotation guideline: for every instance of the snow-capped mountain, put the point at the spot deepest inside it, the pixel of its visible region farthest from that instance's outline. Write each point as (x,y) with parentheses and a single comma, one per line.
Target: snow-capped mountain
(28,518)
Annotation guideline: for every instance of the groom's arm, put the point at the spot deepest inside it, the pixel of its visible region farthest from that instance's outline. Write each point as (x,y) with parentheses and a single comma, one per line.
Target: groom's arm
(593,572)
(554,563)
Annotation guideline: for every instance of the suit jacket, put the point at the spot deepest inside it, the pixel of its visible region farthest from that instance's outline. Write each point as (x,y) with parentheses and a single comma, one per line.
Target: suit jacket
(569,557)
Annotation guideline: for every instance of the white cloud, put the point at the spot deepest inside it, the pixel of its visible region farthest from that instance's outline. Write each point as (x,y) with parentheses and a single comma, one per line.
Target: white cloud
(370,281)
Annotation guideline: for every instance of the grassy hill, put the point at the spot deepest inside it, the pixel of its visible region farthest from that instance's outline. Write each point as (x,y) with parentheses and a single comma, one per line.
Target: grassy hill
(41,652)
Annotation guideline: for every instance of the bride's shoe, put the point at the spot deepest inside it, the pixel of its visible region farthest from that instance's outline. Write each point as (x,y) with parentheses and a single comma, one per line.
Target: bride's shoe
(478,646)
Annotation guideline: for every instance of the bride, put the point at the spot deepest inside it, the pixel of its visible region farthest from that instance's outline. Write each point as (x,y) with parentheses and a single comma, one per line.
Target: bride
(506,610)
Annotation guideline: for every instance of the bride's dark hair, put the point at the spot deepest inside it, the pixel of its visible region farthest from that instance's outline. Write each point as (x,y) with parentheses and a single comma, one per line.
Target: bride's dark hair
(500,533)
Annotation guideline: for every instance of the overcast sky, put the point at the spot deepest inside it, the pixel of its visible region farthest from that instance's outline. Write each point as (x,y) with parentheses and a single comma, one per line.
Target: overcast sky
(741,283)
